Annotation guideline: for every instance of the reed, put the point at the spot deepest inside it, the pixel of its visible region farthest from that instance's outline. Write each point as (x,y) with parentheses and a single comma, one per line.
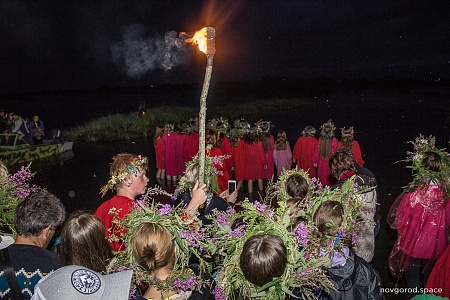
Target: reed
(133,125)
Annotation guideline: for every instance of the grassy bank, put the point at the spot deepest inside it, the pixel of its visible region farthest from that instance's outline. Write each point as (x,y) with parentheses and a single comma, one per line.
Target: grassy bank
(128,126)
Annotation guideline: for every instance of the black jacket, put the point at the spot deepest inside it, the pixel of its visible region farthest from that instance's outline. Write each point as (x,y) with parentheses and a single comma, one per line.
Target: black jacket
(357,279)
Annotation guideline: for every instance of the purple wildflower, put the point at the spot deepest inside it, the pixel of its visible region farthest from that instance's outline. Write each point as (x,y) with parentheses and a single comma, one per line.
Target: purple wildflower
(193,236)
(355,239)
(165,210)
(259,206)
(180,285)
(223,220)
(238,231)
(219,294)
(301,235)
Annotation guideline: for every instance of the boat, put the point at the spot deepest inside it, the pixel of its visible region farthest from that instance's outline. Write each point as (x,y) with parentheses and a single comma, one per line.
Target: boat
(20,152)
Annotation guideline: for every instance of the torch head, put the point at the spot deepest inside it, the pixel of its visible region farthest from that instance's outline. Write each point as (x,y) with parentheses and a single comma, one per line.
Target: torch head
(210,41)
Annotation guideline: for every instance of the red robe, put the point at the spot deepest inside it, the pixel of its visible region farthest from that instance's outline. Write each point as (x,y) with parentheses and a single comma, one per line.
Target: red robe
(226,150)
(237,154)
(356,150)
(190,147)
(180,166)
(268,173)
(170,160)
(255,160)
(159,154)
(123,205)
(303,152)
(323,169)
(222,180)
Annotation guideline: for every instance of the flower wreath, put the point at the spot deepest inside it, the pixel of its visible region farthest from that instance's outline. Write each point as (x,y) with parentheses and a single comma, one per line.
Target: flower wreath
(303,272)
(14,188)
(134,168)
(423,176)
(327,129)
(279,187)
(211,174)
(188,237)
(351,199)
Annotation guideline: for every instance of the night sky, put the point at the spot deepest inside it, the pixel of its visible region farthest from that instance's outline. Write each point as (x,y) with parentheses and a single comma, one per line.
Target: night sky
(60,45)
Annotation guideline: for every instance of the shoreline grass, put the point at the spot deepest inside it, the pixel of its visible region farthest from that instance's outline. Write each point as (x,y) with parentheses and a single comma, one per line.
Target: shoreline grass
(133,125)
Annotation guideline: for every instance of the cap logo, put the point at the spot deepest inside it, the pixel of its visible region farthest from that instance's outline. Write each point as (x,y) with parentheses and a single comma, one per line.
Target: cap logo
(85,281)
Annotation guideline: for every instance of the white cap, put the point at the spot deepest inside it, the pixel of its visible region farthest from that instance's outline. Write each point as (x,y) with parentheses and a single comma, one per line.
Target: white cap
(77,282)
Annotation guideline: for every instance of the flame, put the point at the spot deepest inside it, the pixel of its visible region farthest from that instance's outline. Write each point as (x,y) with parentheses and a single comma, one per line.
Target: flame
(199,39)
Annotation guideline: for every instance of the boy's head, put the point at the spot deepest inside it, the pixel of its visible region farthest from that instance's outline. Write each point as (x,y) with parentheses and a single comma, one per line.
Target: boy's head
(297,186)
(263,257)
(328,212)
(432,161)
(341,161)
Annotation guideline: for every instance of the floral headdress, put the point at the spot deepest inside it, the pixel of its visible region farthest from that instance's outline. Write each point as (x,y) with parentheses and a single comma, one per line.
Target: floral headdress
(422,175)
(309,131)
(264,126)
(133,168)
(188,237)
(347,131)
(279,187)
(211,174)
(230,231)
(328,129)
(350,197)
(13,189)
(241,124)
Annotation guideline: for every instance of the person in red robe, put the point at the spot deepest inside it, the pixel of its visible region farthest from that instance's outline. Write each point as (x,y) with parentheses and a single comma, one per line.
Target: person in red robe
(304,150)
(159,153)
(421,217)
(325,147)
(255,159)
(170,141)
(348,142)
(180,135)
(213,151)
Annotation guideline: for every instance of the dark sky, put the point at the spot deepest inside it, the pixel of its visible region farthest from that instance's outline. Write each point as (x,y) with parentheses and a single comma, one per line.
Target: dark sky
(48,45)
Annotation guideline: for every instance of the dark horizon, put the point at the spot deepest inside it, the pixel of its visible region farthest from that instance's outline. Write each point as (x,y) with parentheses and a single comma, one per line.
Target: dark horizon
(60,46)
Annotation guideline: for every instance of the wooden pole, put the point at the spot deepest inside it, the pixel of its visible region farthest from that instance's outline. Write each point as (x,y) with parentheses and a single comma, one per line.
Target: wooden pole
(202,118)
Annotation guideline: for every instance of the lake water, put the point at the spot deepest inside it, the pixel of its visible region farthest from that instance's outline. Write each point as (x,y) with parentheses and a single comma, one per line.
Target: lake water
(383,123)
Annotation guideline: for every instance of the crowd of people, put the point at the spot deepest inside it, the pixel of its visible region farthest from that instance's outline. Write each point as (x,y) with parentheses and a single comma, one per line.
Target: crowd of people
(28,130)
(310,235)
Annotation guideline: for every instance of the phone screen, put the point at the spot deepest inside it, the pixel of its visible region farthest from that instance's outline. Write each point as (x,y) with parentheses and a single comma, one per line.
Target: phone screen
(231,186)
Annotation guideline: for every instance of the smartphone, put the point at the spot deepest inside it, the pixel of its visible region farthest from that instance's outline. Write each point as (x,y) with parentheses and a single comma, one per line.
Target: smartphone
(231,186)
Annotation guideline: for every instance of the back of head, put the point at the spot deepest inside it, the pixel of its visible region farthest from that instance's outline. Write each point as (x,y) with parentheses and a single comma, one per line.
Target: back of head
(347,138)
(83,242)
(309,131)
(280,142)
(297,186)
(341,161)
(153,247)
(328,212)
(263,257)
(191,173)
(37,212)
(432,161)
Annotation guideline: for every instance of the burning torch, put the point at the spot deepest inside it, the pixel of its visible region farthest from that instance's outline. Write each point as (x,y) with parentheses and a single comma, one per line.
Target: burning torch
(205,39)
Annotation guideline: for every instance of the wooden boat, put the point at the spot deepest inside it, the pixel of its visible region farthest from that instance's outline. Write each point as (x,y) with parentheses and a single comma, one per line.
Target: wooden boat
(20,152)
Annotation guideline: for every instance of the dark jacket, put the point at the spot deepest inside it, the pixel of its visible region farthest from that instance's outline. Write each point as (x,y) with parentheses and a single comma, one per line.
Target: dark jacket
(357,279)
(215,203)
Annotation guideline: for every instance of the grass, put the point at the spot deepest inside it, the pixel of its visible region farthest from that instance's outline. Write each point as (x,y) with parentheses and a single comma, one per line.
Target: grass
(127,126)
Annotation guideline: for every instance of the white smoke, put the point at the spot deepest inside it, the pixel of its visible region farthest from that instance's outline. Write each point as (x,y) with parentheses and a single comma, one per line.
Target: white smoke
(137,54)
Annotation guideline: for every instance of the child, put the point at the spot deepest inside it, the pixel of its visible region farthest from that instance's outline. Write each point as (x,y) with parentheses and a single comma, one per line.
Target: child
(213,151)
(348,142)
(421,215)
(236,136)
(129,179)
(268,143)
(352,276)
(282,154)
(325,147)
(255,159)
(304,150)
(170,161)
(159,153)
(263,257)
